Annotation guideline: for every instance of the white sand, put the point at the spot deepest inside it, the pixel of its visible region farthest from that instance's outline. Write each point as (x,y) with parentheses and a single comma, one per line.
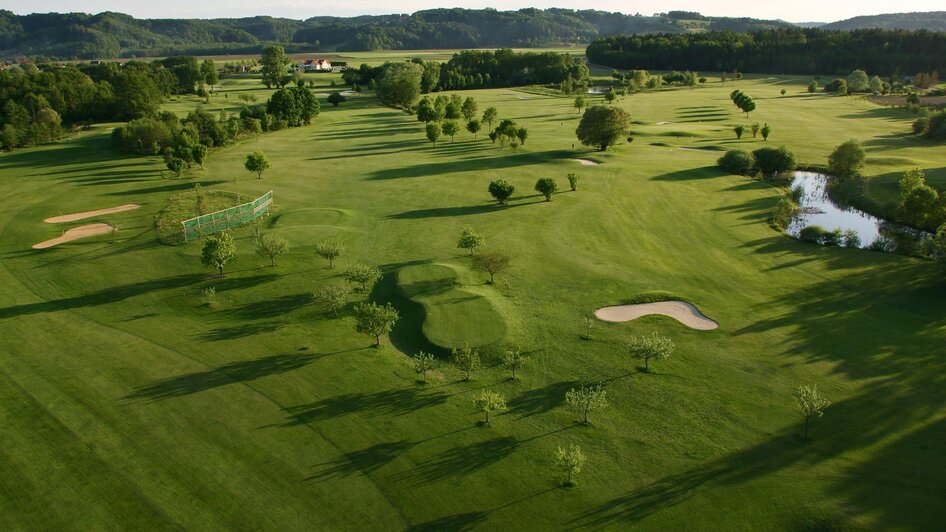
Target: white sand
(662,123)
(88,214)
(83,231)
(586,162)
(681,311)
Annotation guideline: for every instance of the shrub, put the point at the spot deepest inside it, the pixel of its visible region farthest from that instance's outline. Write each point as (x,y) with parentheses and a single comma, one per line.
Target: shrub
(144,136)
(812,233)
(785,210)
(847,160)
(739,162)
(774,160)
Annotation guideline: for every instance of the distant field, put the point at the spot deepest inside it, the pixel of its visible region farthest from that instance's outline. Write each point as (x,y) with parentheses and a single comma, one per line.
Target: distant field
(128,402)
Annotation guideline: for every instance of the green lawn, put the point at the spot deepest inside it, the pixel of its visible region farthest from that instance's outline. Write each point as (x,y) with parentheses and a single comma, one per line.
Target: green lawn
(128,403)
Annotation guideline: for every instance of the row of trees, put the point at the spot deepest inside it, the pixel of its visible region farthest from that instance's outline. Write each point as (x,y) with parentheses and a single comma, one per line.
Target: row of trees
(740,130)
(765,161)
(743,101)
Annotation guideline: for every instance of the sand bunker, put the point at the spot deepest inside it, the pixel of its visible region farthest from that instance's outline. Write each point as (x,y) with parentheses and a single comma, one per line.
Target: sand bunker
(662,123)
(681,311)
(88,214)
(587,162)
(83,231)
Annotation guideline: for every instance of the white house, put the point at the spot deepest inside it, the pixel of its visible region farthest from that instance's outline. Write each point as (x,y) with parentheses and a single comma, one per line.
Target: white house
(316,65)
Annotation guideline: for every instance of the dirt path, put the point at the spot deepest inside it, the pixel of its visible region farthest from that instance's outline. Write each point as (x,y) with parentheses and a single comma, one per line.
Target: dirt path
(88,214)
(681,311)
(83,231)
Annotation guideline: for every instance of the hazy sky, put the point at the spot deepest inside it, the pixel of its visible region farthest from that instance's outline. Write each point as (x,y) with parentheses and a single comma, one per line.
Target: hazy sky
(792,10)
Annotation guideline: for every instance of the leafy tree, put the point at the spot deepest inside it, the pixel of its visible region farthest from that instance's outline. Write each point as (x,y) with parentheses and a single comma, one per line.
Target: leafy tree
(453,110)
(610,95)
(876,85)
(209,72)
(271,247)
(546,186)
(847,160)
(275,62)
(199,154)
(522,134)
(425,111)
(363,275)
(810,403)
(739,130)
(470,240)
(573,181)
(857,81)
(333,297)
(469,108)
(782,92)
(399,84)
(375,320)
(755,129)
(336,98)
(473,126)
(176,165)
(813,87)
(837,86)
(329,250)
(501,190)
(602,126)
(218,251)
(433,133)
(467,359)
(257,162)
(451,127)
(913,98)
(513,360)
(653,347)
(766,131)
(569,461)
(490,115)
(770,161)
(423,363)
(489,401)
(585,400)
(580,103)
(491,262)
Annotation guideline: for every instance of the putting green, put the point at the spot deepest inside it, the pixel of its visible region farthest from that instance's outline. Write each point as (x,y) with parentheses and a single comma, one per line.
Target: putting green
(455,317)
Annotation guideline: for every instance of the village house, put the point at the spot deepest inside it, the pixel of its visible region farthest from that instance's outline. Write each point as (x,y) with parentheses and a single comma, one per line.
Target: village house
(316,65)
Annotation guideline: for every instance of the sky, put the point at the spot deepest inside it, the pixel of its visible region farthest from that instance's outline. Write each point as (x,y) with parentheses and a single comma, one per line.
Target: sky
(791,10)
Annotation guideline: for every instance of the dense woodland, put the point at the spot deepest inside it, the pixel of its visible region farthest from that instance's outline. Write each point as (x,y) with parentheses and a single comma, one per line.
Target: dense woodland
(781,51)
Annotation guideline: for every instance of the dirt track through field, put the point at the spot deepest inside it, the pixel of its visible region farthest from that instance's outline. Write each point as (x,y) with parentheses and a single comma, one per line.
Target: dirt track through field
(89,214)
(681,311)
(83,231)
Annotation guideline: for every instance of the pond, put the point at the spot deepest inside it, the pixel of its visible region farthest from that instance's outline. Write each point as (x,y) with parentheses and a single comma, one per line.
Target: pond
(818,209)
(598,89)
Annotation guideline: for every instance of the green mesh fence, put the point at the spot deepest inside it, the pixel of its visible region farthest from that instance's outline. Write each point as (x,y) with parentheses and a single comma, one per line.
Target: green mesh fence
(226,219)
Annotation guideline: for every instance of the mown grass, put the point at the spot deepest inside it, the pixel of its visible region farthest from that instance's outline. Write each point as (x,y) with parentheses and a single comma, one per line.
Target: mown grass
(128,403)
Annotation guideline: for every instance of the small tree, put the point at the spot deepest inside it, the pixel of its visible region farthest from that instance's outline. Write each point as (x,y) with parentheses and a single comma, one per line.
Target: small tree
(810,403)
(329,251)
(199,154)
(467,359)
(546,186)
(603,126)
(451,127)
(470,240)
(333,297)
(766,131)
(755,129)
(573,181)
(271,247)
(610,95)
(569,461)
(739,130)
(375,320)
(647,348)
(176,165)
(490,115)
(469,108)
(363,275)
(522,134)
(491,262)
(580,103)
(257,162)
(218,251)
(737,162)
(782,92)
(847,160)
(474,126)
(433,133)
(489,401)
(501,190)
(513,360)
(336,98)
(585,400)
(813,87)
(423,363)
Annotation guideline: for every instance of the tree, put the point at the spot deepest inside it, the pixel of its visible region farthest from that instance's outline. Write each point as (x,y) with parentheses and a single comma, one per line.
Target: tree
(913,98)
(766,131)
(782,92)
(329,251)
(470,240)
(423,363)
(271,247)
(433,133)
(209,72)
(451,127)
(490,115)
(739,130)
(335,98)
(838,87)
(610,96)
(876,85)
(770,161)
(333,297)
(580,102)
(491,262)
(810,403)
(602,126)
(426,112)
(275,62)
(755,129)
(362,274)
(573,181)
(585,400)
(546,186)
(375,320)
(176,165)
(857,81)
(501,190)
(846,160)
(522,134)
(257,162)
(813,87)
(399,84)
(489,401)
(218,251)
(469,108)
(467,359)
(513,360)
(473,126)
(653,347)
(569,462)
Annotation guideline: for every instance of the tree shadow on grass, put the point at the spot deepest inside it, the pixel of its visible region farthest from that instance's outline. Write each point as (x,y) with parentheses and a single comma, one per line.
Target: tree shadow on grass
(407,335)
(507,160)
(240,331)
(453,523)
(271,308)
(364,461)
(232,373)
(460,461)
(395,402)
(540,400)
(449,212)
(691,174)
